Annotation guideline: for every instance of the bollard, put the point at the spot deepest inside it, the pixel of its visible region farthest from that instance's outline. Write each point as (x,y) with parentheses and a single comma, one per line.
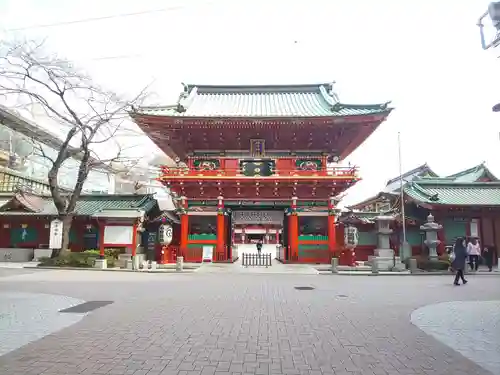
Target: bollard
(412,265)
(335,265)
(374,266)
(179,266)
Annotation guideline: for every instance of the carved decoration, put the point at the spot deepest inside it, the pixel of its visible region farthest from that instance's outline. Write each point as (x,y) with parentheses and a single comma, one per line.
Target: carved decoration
(308,164)
(206,164)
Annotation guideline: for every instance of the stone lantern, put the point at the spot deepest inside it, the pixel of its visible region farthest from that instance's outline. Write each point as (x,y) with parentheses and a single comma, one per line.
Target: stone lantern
(431,229)
(384,255)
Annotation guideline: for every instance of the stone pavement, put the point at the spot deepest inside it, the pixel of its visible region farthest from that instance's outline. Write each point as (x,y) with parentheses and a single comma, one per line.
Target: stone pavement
(276,268)
(471,328)
(245,324)
(27,317)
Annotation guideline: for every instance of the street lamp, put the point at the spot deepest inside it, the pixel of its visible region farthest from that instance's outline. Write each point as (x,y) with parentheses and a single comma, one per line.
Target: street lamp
(493,13)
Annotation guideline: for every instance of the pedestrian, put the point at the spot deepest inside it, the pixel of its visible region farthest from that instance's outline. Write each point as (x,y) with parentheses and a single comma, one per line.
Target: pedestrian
(488,256)
(259,246)
(474,252)
(458,260)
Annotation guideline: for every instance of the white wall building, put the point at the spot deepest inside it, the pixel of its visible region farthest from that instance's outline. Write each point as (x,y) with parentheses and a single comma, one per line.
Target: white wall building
(22,148)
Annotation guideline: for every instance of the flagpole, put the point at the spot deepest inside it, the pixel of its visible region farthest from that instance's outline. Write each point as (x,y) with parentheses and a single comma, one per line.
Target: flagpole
(401,189)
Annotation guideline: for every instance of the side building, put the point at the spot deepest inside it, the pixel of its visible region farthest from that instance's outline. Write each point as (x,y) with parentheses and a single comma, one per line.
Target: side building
(466,204)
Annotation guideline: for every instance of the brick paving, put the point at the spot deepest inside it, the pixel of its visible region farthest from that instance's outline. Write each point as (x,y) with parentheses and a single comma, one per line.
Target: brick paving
(244,324)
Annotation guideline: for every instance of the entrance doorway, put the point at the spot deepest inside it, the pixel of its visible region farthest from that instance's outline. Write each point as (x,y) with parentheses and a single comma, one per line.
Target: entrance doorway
(251,234)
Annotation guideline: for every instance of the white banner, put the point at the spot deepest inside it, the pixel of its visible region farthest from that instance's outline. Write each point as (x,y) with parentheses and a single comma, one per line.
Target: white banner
(258,217)
(56,234)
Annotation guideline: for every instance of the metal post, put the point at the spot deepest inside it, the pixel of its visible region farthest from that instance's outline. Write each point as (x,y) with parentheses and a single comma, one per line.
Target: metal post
(401,188)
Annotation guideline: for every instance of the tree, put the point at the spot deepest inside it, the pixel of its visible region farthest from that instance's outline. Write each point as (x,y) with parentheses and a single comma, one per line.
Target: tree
(88,116)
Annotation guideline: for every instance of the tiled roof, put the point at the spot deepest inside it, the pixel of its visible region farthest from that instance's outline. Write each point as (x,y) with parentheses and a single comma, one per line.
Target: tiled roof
(359,217)
(262,101)
(473,174)
(380,197)
(421,171)
(451,193)
(87,205)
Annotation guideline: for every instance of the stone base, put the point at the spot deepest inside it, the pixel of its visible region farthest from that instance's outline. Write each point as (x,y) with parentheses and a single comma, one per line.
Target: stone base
(383,253)
(101,264)
(387,263)
(41,253)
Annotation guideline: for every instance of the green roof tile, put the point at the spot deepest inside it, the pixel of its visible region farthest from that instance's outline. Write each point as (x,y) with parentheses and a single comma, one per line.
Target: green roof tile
(89,205)
(262,101)
(451,193)
(474,174)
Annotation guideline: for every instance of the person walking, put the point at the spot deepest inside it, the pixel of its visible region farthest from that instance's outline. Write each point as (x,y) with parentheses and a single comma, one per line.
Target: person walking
(259,247)
(488,257)
(459,260)
(474,252)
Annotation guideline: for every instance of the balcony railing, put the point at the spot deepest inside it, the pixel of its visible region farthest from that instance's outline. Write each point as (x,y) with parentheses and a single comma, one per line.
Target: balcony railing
(178,172)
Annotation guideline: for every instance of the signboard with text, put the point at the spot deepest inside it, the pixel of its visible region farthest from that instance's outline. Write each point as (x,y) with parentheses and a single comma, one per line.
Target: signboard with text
(56,234)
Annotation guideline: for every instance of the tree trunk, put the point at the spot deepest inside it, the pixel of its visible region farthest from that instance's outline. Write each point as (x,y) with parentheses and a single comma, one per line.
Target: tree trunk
(67,221)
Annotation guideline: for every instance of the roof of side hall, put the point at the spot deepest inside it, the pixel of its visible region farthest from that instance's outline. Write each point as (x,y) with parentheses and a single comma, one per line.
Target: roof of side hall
(308,100)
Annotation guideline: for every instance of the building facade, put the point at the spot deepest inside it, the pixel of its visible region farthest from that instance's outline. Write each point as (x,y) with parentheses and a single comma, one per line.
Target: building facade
(259,163)
(26,148)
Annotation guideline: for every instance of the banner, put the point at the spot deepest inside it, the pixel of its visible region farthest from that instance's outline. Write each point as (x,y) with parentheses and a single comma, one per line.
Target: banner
(258,217)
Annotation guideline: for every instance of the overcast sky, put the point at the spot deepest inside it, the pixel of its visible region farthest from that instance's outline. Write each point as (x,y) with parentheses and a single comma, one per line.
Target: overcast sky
(424,56)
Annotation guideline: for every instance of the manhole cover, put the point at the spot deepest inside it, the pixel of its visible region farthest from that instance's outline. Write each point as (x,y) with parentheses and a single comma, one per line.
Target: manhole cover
(86,307)
(304,288)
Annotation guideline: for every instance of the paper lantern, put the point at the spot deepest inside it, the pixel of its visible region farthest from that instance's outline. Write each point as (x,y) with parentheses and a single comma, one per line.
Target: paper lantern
(165,234)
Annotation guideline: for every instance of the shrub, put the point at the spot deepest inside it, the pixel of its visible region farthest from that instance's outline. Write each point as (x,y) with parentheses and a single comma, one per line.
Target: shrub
(426,264)
(85,259)
(93,252)
(115,253)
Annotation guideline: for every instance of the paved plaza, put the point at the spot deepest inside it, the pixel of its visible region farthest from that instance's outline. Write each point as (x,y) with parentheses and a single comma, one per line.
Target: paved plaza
(216,323)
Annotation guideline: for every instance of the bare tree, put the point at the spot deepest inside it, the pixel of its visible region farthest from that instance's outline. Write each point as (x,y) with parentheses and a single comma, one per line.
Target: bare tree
(87,115)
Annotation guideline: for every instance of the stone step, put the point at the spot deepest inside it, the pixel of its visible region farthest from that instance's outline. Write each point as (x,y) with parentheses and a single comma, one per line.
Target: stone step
(357,268)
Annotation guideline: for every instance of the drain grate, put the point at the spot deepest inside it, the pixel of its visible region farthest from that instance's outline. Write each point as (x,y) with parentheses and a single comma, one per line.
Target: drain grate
(304,288)
(86,307)
(342,296)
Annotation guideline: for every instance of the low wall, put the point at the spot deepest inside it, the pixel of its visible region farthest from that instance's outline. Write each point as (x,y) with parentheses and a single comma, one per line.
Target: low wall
(16,255)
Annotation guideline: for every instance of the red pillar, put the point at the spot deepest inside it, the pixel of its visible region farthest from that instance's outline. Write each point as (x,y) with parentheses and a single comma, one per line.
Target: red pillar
(184,229)
(102,226)
(293,231)
(219,253)
(134,239)
(332,235)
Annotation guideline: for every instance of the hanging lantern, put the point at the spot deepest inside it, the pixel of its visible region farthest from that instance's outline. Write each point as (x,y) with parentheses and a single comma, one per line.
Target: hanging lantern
(351,237)
(165,234)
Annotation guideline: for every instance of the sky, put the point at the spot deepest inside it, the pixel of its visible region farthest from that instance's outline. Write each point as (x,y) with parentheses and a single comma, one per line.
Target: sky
(424,56)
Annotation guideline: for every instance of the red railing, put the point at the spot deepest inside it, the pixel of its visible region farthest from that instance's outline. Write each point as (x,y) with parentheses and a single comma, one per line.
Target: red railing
(277,173)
